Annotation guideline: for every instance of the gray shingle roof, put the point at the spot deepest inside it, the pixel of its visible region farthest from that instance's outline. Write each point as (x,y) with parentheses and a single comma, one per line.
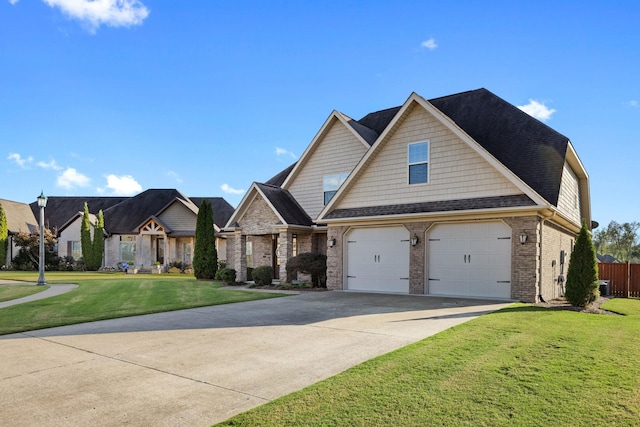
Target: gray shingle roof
(60,209)
(281,176)
(19,217)
(124,217)
(222,210)
(286,205)
(430,207)
(529,148)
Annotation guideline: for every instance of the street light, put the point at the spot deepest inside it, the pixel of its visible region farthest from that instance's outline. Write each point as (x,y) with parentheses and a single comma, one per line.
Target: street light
(42,202)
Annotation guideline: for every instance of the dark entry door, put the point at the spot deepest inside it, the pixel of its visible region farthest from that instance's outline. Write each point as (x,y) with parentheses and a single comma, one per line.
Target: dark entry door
(275,256)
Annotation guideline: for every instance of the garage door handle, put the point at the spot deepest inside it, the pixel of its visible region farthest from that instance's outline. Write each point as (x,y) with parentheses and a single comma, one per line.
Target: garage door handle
(435,280)
(503,281)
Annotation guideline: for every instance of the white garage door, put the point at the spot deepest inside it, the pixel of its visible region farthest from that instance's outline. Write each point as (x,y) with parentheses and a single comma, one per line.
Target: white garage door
(378,259)
(472,259)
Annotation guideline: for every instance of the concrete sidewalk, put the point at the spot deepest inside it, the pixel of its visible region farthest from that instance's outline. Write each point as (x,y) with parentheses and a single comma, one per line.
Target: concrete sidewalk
(201,366)
(47,293)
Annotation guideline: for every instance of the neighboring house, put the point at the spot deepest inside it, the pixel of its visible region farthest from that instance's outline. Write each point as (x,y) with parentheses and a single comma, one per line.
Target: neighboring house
(463,195)
(19,218)
(157,225)
(607,258)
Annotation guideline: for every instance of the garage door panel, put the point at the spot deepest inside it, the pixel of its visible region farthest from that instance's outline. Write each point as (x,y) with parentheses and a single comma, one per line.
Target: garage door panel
(378,259)
(471,259)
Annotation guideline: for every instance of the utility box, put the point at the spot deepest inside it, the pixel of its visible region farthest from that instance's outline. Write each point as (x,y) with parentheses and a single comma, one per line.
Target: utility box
(605,287)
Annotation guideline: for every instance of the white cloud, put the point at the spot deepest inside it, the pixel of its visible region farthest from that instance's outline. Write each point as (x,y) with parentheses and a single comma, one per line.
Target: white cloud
(51,164)
(229,190)
(429,44)
(124,185)
(71,178)
(19,160)
(537,110)
(93,13)
(175,176)
(13,1)
(283,152)
(633,103)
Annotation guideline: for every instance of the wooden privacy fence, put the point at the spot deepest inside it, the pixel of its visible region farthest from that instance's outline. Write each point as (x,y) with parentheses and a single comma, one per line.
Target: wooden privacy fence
(623,277)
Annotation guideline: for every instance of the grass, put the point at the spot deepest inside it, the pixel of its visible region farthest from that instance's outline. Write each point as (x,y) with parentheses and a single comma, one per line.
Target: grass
(10,292)
(522,365)
(107,296)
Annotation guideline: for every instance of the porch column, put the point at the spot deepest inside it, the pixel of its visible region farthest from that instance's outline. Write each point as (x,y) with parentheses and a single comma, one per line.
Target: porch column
(240,256)
(284,238)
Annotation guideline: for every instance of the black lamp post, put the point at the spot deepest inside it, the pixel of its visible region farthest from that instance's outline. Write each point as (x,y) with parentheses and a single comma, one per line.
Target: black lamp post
(42,202)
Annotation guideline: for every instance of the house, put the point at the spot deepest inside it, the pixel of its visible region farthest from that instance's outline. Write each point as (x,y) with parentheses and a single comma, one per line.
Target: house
(157,225)
(463,195)
(19,218)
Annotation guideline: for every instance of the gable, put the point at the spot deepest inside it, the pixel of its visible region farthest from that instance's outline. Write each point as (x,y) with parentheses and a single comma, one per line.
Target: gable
(258,217)
(337,151)
(569,199)
(456,171)
(177,217)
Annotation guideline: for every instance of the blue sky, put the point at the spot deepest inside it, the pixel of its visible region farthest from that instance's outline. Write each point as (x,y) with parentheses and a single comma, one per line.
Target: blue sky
(111,97)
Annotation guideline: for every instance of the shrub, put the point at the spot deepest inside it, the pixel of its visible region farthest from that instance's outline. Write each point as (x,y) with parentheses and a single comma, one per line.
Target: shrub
(309,263)
(174,270)
(263,275)
(227,275)
(582,275)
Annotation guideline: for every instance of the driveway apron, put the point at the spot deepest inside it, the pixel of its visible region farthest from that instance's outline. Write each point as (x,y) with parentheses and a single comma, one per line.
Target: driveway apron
(201,366)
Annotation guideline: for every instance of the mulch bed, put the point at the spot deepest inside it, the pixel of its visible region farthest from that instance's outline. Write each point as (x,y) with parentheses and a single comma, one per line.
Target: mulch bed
(593,308)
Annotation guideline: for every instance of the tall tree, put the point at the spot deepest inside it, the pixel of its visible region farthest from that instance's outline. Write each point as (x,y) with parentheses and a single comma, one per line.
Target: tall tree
(582,275)
(98,241)
(205,255)
(618,240)
(4,237)
(85,237)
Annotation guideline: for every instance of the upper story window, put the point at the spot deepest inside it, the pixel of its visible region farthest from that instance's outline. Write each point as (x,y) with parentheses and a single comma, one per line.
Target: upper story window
(330,185)
(418,160)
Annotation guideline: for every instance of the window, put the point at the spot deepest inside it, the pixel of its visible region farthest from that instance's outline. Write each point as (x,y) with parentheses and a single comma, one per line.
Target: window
(331,183)
(128,249)
(249,254)
(294,245)
(419,163)
(74,249)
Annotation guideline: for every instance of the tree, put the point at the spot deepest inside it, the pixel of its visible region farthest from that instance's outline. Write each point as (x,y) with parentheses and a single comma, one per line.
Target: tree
(92,250)
(29,244)
(4,237)
(582,276)
(205,254)
(618,240)
(98,241)
(85,238)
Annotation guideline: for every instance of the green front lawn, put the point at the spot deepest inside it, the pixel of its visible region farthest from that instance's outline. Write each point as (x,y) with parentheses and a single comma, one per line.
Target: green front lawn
(9,292)
(523,365)
(107,296)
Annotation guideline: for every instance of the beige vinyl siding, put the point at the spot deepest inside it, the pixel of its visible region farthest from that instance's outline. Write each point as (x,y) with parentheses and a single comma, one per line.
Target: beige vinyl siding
(338,152)
(569,199)
(456,171)
(178,217)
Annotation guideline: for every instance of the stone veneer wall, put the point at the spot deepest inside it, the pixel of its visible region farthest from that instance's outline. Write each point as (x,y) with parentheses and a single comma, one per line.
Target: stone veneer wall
(335,256)
(525,258)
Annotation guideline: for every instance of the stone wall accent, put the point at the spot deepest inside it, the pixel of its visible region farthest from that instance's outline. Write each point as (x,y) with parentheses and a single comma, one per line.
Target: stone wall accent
(525,258)
(239,256)
(335,258)
(418,257)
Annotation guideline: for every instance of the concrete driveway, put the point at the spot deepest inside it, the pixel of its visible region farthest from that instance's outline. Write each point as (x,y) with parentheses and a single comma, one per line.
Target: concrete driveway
(201,366)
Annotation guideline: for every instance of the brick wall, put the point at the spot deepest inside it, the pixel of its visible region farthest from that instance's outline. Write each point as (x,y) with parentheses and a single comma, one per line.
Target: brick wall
(554,272)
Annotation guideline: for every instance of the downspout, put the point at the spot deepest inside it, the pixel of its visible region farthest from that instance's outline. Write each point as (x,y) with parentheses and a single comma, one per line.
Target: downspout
(542,222)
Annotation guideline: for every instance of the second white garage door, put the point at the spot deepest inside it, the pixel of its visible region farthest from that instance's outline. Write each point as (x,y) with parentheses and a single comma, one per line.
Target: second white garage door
(471,259)
(378,259)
